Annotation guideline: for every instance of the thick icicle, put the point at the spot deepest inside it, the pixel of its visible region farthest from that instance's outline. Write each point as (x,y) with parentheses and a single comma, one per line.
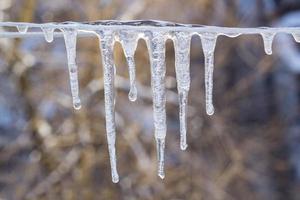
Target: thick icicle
(208,44)
(22,28)
(156,47)
(296,37)
(70,36)
(48,33)
(129,40)
(268,41)
(182,41)
(106,47)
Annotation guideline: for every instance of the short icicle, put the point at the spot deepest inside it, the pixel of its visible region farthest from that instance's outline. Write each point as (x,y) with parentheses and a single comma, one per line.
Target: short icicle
(129,40)
(182,42)
(268,38)
(208,44)
(22,29)
(106,48)
(156,47)
(70,36)
(49,34)
(296,37)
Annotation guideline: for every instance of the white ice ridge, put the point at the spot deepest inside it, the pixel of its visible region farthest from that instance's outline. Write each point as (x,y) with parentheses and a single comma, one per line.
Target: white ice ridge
(155,33)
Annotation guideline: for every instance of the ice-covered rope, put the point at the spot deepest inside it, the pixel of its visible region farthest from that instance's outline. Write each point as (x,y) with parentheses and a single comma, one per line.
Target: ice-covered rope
(155,33)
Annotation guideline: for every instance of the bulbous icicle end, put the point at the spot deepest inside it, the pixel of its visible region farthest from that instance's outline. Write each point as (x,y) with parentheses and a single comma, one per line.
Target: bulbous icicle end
(115,179)
(132,95)
(77,104)
(210,110)
(297,37)
(22,29)
(161,174)
(183,146)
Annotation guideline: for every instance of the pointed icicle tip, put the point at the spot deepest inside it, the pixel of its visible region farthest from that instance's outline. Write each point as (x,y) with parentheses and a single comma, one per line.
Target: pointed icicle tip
(296,37)
(22,29)
(268,38)
(49,34)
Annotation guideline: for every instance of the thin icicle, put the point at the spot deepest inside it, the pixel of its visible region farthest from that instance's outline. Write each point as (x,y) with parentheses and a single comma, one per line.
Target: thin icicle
(156,47)
(106,47)
(182,41)
(70,36)
(268,41)
(208,44)
(296,37)
(48,33)
(129,40)
(22,28)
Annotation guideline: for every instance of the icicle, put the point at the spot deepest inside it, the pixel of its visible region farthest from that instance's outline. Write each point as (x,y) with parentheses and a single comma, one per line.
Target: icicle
(106,47)
(182,43)
(48,33)
(128,40)
(268,41)
(296,37)
(22,28)
(70,36)
(208,45)
(156,47)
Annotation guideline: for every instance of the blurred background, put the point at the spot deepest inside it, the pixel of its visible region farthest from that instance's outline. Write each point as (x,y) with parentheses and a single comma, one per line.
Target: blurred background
(249,149)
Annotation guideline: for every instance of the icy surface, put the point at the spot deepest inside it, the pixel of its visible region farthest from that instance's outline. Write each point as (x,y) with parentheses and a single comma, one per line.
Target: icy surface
(155,34)
(156,47)
(70,36)
(182,42)
(208,44)
(106,47)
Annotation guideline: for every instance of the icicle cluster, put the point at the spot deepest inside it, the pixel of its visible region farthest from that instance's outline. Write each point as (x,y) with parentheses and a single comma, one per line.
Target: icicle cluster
(155,33)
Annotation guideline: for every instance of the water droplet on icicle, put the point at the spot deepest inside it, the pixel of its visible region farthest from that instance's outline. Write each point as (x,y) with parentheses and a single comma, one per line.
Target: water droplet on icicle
(182,43)
(129,40)
(268,41)
(156,47)
(70,36)
(22,29)
(106,48)
(296,37)
(48,33)
(208,44)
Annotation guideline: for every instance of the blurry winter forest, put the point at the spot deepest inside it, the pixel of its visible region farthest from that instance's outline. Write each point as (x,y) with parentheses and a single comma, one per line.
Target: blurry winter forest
(249,149)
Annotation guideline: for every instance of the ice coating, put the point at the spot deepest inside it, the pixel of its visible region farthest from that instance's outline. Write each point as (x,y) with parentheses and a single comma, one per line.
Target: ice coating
(156,48)
(106,48)
(70,36)
(268,38)
(155,33)
(297,37)
(129,41)
(208,44)
(48,33)
(182,41)
(22,28)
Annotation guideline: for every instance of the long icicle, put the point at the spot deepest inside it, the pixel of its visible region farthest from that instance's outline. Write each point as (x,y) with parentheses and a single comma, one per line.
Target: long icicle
(106,48)
(182,42)
(208,44)
(156,47)
(129,40)
(268,38)
(70,36)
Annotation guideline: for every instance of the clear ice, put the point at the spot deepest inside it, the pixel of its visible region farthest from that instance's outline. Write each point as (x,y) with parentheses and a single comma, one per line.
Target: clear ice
(268,38)
(182,42)
(155,33)
(129,41)
(70,36)
(48,33)
(107,39)
(156,47)
(208,44)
